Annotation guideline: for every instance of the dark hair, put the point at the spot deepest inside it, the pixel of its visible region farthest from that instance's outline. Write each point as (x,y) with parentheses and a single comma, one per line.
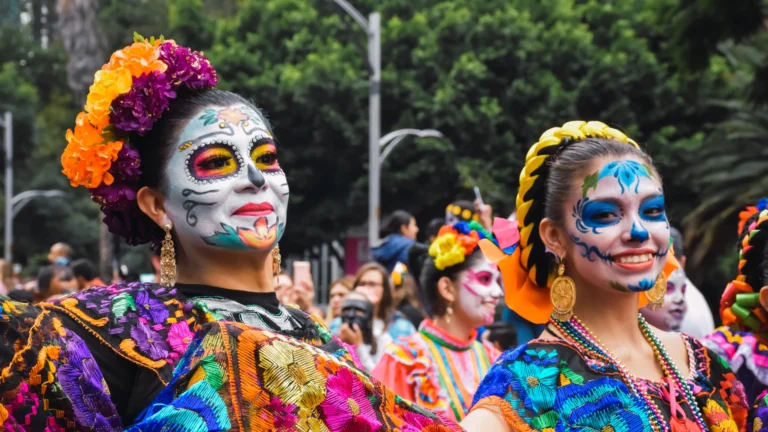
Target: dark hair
(755,258)
(555,182)
(84,268)
(155,149)
(46,275)
(678,244)
(394,222)
(386,303)
(434,227)
(423,265)
(503,333)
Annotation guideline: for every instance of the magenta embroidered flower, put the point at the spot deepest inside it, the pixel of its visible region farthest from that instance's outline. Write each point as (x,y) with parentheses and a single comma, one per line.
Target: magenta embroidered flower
(283,414)
(149,341)
(187,67)
(150,308)
(346,406)
(138,110)
(179,336)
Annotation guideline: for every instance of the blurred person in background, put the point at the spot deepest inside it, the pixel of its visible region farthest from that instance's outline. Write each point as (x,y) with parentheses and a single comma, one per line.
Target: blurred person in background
(698,322)
(433,227)
(339,290)
(85,273)
(54,282)
(502,335)
(404,295)
(373,281)
(284,288)
(461,211)
(7,279)
(304,295)
(60,253)
(399,232)
(441,366)
(669,317)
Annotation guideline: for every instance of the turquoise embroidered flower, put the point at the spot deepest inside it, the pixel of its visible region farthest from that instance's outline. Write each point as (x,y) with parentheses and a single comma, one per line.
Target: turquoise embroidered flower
(534,377)
(604,404)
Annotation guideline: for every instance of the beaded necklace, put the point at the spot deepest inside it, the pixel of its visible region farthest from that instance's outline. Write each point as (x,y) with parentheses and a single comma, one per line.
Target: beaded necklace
(578,333)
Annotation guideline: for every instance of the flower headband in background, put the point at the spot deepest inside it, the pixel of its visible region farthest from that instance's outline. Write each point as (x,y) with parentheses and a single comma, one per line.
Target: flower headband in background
(454,243)
(129,94)
(399,273)
(463,214)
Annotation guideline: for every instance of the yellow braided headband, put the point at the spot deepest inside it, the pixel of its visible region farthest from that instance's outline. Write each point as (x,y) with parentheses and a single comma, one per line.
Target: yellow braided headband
(573,130)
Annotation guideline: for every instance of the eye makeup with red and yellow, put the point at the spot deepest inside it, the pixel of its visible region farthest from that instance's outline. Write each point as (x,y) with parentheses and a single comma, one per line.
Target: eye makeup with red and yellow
(264,155)
(214,162)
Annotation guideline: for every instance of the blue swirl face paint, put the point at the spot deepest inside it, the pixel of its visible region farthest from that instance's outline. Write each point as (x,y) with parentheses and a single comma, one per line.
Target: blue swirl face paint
(639,233)
(590,250)
(591,215)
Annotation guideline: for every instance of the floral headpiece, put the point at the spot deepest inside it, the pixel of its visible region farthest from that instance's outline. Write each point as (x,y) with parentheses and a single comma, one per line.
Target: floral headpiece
(462,213)
(740,304)
(128,95)
(399,273)
(454,243)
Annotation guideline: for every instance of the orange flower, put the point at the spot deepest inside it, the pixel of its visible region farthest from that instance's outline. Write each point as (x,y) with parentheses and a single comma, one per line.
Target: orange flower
(138,58)
(262,236)
(87,157)
(107,86)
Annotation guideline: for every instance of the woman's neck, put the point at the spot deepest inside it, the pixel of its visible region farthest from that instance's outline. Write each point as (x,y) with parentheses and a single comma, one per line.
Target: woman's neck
(455,327)
(611,317)
(236,271)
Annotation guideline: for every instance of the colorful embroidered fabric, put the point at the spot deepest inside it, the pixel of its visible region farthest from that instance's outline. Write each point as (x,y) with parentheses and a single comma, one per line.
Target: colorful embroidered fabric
(49,379)
(550,385)
(436,370)
(746,355)
(238,378)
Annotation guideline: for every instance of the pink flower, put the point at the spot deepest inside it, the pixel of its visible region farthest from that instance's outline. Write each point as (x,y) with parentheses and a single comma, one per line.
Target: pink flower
(346,406)
(283,414)
(179,336)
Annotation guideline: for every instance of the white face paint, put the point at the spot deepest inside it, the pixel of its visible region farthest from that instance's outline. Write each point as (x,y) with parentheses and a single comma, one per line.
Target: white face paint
(225,186)
(479,293)
(670,317)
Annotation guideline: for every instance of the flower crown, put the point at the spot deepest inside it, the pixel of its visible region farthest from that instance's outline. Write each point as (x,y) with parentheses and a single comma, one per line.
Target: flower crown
(399,273)
(454,243)
(464,214)
(129,94)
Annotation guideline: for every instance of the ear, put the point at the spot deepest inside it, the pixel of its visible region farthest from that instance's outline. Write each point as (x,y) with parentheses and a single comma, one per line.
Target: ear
(152,203)
(554,237)
(446,289)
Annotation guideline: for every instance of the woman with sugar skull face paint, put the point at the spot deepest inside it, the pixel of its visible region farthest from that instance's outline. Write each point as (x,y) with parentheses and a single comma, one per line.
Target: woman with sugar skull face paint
(669,317)
(590,248)
(440,366)
(173,161)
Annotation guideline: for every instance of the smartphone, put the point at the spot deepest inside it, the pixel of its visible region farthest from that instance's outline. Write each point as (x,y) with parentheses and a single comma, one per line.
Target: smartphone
(302,271)
(479,197)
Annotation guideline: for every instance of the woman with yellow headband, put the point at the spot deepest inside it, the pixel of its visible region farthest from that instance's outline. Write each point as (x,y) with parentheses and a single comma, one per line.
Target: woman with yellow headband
(593,248)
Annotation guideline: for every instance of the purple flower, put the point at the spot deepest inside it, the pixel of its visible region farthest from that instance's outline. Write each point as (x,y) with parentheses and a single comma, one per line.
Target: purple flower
(149,342)
(116,196)
(150,308)
(187,67)
(127,167)
(137,110)
(131,224)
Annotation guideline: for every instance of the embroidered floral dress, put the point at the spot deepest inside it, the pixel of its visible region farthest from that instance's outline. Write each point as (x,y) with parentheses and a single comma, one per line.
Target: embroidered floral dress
(436,370)
(550,385)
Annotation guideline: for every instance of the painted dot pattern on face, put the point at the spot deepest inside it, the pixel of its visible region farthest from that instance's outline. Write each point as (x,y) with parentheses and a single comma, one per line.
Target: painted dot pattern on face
(209,162)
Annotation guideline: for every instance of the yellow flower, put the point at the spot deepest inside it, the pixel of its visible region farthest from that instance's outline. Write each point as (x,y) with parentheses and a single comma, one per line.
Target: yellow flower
(466,214)
(291,375)
(446,251)
(107,86)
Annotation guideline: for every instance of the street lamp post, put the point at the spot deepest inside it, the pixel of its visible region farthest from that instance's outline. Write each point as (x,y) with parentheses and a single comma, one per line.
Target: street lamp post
(7,124)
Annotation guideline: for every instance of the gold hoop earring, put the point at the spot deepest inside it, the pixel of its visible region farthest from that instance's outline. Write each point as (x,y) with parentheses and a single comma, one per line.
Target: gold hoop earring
(167,260)
(563,295)
(656,294)
(448,314)
(277,260)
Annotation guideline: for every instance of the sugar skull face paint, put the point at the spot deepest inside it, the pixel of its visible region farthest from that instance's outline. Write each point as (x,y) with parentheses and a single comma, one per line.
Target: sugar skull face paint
(479,293)
(618,226)
(225,186)
(670,317)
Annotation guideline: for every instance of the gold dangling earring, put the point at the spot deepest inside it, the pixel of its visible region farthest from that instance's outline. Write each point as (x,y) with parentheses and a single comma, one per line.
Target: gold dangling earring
(277,260)
(167,260)
(562,294)
(448,314)
(656,294)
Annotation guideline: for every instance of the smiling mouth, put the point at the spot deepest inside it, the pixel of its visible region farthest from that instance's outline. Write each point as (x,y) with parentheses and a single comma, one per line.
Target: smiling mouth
(635,260)
(255,210)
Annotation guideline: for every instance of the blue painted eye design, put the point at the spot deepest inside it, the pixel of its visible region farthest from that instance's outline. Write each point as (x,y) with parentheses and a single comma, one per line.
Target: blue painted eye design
(591,215)
(653,209)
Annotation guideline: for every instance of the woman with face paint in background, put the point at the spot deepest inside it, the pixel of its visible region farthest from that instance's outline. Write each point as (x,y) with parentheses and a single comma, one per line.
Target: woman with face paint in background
(441,366)
(592,248)
(669,317)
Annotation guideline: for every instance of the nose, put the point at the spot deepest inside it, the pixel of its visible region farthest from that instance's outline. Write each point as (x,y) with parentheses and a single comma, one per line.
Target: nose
(638,233)
(254,180)
(256,177)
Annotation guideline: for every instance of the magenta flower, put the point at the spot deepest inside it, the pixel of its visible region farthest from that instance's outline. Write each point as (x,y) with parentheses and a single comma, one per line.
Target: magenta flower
(282,413)
(131,224)
(346,406)
(187,67)
(115,196)
(137,110)
(150,308)
(127,167)
(179,336)
(149,342)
